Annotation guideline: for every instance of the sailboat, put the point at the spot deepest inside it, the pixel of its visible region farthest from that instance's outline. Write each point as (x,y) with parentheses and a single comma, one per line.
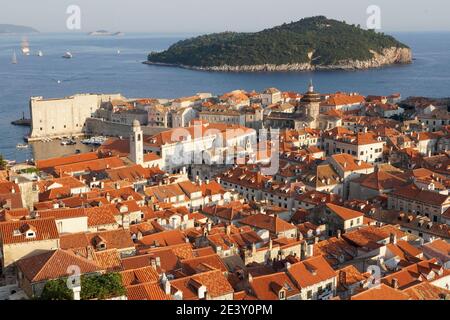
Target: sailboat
(40,54)
(14,58)
(25,47)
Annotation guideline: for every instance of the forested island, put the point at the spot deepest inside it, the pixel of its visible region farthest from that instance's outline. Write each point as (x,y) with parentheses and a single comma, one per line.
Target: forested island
(308,44)
(15,29)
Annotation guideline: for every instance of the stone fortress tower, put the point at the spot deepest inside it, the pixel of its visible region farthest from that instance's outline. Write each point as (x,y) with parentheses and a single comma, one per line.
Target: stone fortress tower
(137,143)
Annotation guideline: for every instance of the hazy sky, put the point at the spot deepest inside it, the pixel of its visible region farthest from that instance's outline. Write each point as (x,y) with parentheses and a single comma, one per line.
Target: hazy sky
(216,15)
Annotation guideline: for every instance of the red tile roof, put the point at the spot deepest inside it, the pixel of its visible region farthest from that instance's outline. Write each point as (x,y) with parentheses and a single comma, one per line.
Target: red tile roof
(59,161)
(344,213)
(215,282)
(267,287)
(139,275)
(381,292)
(63,213)
(146,291)
(14,231)
(311,271)
(413,193)
(165,238)
(202,264)
(53,265)
(263,221)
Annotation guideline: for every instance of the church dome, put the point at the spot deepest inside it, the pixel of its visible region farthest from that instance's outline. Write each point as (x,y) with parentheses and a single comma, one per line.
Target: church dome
(136,123)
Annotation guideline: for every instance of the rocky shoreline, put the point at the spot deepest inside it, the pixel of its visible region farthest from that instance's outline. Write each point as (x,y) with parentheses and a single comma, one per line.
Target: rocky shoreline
(389,56)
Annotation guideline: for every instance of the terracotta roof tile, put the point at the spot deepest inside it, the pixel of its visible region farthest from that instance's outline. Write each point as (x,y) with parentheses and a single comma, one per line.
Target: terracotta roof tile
(381,292)
(267,287)
(140,275)
(311,271)
(13,231)
(344,213)
(53,265)
(146,291)
(262,221)
(108,260)
(215,282)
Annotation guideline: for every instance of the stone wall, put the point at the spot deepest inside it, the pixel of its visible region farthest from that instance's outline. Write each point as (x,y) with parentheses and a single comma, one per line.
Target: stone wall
(63,117)
(96,126)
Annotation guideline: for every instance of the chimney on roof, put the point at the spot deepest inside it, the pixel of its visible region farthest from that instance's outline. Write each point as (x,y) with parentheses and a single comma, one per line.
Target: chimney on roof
(253,248)
(158,261)
(342,277)
(309,250)
(338,234)
(166,284)
(209,226)
(270,244)
(228,229)
(316,240)
(202,292)
(394,283)
(13,190)
(250,278)
(393,238)
(153,263)
(218,180)
(288,265)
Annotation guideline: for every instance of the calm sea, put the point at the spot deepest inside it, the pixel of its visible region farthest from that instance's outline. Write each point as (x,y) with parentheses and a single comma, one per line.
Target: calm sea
(97,67)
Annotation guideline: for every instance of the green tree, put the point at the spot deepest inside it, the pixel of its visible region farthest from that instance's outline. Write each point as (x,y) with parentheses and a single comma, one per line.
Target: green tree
(56,290)
(101,286)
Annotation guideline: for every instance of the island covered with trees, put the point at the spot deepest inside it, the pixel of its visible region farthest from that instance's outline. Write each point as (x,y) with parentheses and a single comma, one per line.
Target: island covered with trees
(308,44)
(15,29)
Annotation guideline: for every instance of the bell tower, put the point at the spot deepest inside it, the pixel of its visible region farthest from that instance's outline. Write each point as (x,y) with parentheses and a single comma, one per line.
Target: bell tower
(311,103)
(137,144)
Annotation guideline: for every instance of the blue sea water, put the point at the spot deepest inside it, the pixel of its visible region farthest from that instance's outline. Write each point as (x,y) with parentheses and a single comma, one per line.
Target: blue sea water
(98,68)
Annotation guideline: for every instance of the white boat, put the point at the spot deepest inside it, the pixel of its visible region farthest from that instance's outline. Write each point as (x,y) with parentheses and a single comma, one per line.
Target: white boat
(25,47)
(68,142)
(22,146)
(118,51)
(67,55)
(40,54)
(14,58)
(94,140)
